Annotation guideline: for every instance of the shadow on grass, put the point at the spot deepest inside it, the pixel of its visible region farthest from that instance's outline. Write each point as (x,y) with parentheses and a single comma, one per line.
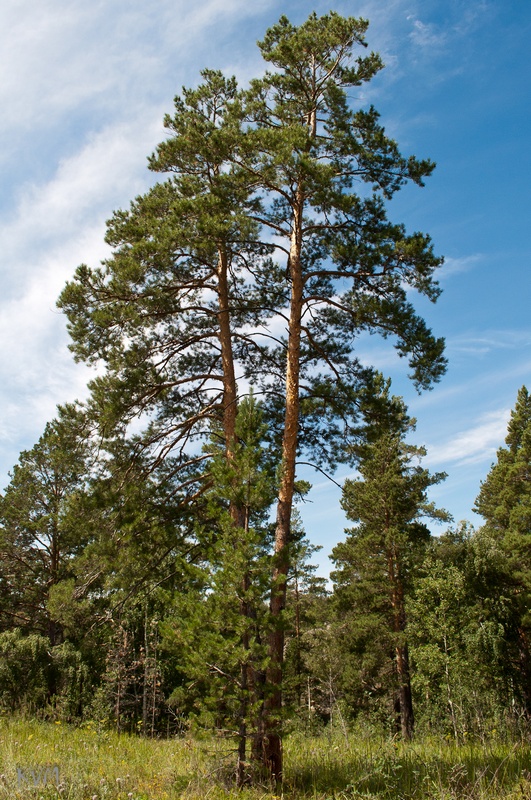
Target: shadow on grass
(409,772)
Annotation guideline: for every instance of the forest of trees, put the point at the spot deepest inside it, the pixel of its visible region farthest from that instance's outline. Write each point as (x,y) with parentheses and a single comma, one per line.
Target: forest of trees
(154,570)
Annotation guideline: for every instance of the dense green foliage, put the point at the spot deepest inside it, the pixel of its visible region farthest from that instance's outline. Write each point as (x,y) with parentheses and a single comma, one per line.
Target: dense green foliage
(504,501)
(380,558)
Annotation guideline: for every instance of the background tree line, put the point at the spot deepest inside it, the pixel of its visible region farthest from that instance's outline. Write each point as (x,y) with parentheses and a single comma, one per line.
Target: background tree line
(142,580)
(147,633)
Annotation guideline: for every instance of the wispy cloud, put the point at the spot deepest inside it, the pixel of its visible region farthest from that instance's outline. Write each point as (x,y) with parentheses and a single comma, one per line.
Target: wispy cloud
(476,444)
(55,56)
(458,266)
(481,344)
(438,37)
(427,35)
(55,226)
(52,220)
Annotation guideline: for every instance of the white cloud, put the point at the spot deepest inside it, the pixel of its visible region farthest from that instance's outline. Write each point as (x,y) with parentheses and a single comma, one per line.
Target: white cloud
(458,266)
(67,67)
(474,14)
(478,443)
(427,35)
(490,341)
(53,222)
(464,20)
(55,226)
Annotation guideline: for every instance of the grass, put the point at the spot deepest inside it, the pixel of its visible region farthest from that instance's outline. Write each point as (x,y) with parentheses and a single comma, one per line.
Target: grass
(95,764)
(431,770)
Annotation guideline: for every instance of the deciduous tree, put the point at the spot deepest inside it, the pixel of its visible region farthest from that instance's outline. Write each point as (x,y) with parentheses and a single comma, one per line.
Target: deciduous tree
(463,628)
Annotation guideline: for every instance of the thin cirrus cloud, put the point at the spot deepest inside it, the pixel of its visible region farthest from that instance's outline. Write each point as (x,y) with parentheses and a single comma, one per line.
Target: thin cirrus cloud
(427,35)
(68,68)
(458,266)
(57,61)
(477,444)
(56,226)
(431,36)
(487,342)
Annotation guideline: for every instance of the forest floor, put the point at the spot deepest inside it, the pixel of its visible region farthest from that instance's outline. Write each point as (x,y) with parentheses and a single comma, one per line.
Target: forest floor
(45,760)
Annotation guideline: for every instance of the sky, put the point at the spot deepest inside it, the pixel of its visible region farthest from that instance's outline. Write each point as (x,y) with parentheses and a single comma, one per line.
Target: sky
(83,91)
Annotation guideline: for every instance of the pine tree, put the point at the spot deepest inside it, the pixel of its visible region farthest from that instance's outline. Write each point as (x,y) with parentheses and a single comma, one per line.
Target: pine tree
(181,299)
(306,597)
(170,311)
(347,266)
(41,531)
(221,630)
(379,557)
(504,501)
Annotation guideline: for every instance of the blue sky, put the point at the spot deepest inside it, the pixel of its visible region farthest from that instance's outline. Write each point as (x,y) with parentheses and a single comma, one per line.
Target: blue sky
(83,90)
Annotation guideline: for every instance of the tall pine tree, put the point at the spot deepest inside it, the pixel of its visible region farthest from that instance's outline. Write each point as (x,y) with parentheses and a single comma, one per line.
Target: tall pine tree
(347,266)
(171,309)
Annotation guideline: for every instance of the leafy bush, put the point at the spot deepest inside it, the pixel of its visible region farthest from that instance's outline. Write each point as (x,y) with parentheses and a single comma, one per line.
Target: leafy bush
(25,671)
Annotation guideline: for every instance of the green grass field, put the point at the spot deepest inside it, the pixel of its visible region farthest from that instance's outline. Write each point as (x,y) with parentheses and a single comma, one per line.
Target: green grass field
(93,764)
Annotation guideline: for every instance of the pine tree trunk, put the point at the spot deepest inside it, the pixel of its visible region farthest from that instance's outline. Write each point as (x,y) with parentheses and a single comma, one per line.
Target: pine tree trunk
(298,652)
(407,720)
(145,684)
(230,391)
(524,666)
(273,704)
(245,682)
(242,731)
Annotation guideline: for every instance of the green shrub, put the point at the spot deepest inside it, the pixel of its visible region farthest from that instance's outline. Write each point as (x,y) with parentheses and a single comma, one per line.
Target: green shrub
(25,671)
